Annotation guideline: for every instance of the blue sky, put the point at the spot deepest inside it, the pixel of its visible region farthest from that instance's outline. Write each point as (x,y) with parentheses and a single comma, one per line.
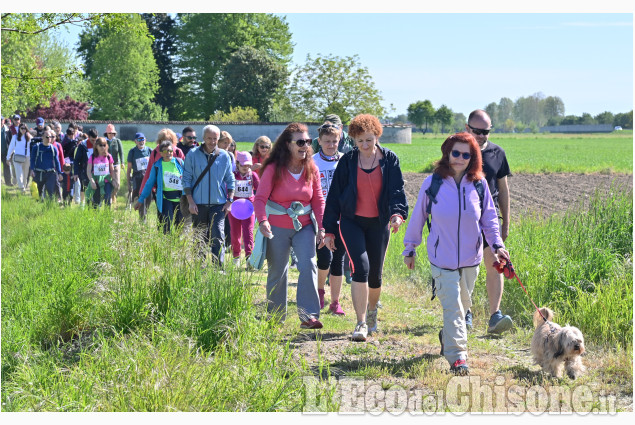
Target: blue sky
(468,60)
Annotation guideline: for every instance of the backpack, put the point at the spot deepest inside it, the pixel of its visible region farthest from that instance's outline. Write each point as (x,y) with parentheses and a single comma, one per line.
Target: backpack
(432,191)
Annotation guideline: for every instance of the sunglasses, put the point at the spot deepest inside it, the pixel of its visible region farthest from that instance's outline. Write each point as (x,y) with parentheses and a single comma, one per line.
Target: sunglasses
(303,142)
(167,151)
(140,140)
(465,155)
(101,146)
(478,131)
(190,137)
(264,147)
(50,137)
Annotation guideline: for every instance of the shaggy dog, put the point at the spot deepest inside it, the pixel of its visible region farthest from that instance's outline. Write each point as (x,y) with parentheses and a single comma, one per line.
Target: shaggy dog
(556,348)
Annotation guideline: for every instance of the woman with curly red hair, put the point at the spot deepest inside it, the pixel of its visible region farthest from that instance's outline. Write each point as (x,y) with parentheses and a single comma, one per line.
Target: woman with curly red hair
(454,245)
(365,200)
(289,207)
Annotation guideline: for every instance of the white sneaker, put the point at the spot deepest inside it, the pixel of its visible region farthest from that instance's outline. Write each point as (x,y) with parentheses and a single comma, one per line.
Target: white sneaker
(371,320)
(237,261)
(360,333)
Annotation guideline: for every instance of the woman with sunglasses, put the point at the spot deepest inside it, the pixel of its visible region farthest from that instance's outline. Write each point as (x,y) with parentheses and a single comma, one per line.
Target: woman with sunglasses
(19,148)
(167,176)
(260,152)
(289,206)
(101,174)
(366,199)
(46,169)
(454,245)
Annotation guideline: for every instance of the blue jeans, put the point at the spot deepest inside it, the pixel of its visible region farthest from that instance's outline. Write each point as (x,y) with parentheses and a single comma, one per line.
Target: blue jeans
(46,180)
(171,211)
(210,221)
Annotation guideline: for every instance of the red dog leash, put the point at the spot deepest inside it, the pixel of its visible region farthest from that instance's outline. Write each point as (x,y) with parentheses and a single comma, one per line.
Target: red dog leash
(508,271)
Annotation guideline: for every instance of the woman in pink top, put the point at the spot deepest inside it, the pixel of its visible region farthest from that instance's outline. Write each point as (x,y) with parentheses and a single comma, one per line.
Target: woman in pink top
(289,207)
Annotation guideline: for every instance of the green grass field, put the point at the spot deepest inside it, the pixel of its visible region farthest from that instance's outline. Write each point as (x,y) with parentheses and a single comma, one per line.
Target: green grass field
(101,312)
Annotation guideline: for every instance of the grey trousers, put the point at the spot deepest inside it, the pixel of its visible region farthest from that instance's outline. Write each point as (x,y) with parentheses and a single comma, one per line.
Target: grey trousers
(303,243)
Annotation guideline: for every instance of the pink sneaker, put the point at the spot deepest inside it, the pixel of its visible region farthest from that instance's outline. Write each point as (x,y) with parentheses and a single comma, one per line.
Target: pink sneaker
(336,308)
(321,295)
(312,323)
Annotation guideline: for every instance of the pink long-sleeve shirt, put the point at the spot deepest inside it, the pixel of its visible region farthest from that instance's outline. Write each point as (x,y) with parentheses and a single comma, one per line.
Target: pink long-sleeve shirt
(284,192)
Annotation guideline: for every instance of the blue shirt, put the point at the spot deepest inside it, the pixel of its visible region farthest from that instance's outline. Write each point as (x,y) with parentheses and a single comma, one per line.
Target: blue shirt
(213,188)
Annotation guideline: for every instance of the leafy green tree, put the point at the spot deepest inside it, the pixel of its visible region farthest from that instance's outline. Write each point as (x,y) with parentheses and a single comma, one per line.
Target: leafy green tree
(458,122)
(509,125)
(444,116)
(553,107)
(31,77)
(205,43)
(124,76)
(332,84)
(163,28)
(505,110)
(586,119)
(624,120)
(605,117)
(492,111)
(236,114)
(420,113)
(251,78)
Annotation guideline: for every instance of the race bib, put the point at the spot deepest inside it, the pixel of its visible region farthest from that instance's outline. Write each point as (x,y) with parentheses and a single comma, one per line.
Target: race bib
(172,181)
(101,169)
(244,189)
(142,163)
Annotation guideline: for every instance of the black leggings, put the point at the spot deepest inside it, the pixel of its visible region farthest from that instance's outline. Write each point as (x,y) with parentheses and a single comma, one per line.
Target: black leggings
(333,261)
(366,242)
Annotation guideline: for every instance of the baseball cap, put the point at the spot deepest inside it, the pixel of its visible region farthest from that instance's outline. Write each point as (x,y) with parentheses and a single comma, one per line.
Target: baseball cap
(335,119)
(244,158)
(139,136)
(39,121)
(16,117)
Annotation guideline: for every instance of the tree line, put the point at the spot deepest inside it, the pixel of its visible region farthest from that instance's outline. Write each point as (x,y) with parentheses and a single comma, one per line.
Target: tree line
(525,114)
(188,66)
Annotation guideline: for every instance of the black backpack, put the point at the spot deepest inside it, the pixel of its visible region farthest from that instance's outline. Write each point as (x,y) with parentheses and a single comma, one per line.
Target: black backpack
(432,191)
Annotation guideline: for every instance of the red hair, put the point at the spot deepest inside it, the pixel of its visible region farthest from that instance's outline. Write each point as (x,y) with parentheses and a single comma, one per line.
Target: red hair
(474,169)
(365,123)
(280,155)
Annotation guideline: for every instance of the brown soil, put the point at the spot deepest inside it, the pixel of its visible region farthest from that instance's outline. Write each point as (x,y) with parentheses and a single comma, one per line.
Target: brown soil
(543,194)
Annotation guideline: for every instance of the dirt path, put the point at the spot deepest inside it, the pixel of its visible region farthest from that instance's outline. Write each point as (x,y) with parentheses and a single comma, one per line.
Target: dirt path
(541,193)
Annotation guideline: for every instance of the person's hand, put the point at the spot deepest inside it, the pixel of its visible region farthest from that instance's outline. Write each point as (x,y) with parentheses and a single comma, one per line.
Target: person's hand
(395,222)
(320,238)
(227,207)
(93,184)
(329,242)
(265,229)
(75,178)
(193,208)
(409,262)
(33,174)
(59,178)
(137,206)
(502,256)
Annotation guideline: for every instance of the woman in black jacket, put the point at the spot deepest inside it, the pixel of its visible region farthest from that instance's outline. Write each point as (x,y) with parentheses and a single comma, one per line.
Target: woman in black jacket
(365,200)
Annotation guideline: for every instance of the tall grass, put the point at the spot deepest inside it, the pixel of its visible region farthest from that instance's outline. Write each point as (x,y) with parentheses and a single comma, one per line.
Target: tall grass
(103,312)
(579,264)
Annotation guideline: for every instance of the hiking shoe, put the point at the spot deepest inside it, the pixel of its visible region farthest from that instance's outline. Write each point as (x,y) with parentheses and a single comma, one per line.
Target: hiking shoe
(312,323)
(237,261)
(499,323)
(321,295)
(441,340)
(468,320)
(378,305)
(371,320)
(360,333)
(460,367)
(336,308)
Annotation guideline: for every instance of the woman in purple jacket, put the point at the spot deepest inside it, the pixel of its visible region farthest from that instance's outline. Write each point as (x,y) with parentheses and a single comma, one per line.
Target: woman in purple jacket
(455,245)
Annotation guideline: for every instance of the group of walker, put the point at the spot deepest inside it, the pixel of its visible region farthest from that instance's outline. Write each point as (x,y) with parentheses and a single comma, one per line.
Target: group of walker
(344,199)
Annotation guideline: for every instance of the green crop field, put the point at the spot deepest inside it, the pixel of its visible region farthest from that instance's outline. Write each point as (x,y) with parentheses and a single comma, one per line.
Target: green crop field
(536,153)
